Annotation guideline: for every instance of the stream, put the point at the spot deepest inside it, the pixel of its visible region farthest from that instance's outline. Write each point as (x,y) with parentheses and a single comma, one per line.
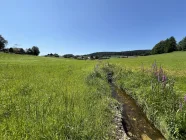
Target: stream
(135,122)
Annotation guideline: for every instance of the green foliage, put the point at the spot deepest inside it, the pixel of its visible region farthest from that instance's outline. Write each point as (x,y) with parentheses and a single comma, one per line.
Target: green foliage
(172,44)
(68,55)
(56,55)
(11,50)
(159,48)
(3,42)
(35,50)
(52,55)
(165,46)
(123,53)
(182,45)
(18,50)
(29,51)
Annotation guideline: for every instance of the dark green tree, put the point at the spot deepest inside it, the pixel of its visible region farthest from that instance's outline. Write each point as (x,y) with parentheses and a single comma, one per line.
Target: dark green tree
(166,46)
(91,57)
(11,50)
(29,51)
(172,44)
(68,56)
(182,45)
(35,50)
(96,57)
(3,42)
(159,48)
(21,51)
(56,55)
(179,47)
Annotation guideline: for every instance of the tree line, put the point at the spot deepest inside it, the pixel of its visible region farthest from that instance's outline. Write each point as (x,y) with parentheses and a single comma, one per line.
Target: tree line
(169,45)
(30,51)
(52,55)
(123,53)
(164,46)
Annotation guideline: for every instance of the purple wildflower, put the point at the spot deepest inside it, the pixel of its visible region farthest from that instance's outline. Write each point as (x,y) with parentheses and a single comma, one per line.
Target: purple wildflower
(163,78)
(185,98)
(158,78)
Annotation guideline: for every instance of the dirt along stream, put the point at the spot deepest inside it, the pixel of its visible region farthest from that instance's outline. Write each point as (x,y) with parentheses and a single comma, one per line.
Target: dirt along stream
(135,123)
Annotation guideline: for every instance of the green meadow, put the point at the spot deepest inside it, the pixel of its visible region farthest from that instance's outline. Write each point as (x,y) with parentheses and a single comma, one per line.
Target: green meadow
(174,65)
(57,98)
(49,98)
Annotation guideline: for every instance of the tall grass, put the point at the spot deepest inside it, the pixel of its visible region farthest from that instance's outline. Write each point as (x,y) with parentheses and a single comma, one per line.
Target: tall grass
(154,92)
(43,98)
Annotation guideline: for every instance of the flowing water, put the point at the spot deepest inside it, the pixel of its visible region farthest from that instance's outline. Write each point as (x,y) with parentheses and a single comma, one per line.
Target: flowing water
(135,123)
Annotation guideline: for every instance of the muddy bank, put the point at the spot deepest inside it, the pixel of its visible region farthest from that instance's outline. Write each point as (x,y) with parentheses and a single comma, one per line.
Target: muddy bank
(134,122)
(118,133)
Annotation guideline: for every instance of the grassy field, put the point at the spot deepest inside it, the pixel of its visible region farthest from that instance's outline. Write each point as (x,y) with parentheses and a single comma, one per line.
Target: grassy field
(174,64)
(53,98)
(49,98)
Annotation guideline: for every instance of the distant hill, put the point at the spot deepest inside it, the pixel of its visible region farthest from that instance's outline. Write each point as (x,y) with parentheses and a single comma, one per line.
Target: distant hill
(123,53)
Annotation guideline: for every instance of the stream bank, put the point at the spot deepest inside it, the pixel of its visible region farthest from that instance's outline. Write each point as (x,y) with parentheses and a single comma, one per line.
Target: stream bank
(134,122)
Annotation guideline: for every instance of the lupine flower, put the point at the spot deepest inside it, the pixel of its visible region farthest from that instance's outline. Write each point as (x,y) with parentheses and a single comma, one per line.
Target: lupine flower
(158,78)
(163,78)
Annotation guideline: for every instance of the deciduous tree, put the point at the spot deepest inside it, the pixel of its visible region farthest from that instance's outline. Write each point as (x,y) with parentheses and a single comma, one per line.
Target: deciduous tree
(182,45)
(35,50)
(3,42)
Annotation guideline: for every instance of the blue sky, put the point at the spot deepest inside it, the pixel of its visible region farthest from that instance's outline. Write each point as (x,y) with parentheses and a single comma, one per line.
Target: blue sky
(85,26)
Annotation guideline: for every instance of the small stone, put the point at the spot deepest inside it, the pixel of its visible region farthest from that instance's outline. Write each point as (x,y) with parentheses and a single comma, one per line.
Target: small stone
(130,134)
(134,119)
(120,131)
